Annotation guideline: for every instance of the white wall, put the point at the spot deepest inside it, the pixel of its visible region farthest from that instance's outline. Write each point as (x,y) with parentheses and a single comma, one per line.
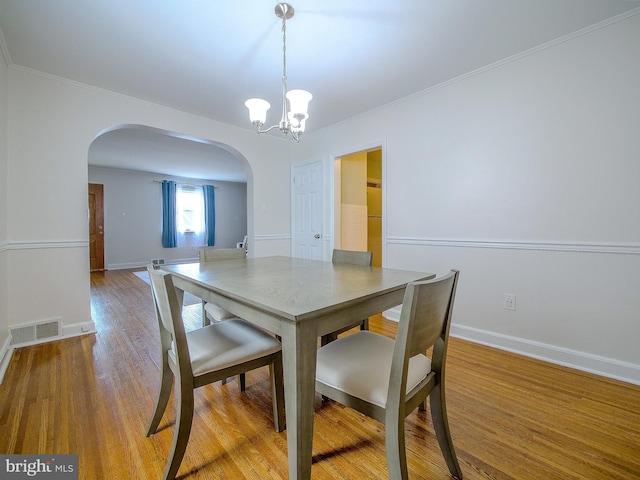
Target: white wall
(133,217)
(4,321)
(525,177)
(51,125)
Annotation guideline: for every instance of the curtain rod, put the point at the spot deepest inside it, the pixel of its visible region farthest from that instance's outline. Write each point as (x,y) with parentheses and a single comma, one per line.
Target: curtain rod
(188,184)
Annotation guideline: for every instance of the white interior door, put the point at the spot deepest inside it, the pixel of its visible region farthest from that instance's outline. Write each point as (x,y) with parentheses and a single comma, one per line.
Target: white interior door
(307,210)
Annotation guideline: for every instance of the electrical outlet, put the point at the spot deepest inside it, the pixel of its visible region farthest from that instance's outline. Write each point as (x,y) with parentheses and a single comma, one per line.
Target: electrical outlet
(509,301)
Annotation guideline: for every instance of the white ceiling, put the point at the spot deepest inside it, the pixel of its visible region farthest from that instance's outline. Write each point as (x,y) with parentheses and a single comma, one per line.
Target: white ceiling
(208,57)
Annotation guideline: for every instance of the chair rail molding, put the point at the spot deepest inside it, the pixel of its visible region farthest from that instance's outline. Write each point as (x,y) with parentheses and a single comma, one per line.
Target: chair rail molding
(600,365)
(577,247)
(44,244)
(277,236)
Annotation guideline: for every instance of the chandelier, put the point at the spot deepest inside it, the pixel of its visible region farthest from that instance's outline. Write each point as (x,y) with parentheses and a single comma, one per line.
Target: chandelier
(292,122)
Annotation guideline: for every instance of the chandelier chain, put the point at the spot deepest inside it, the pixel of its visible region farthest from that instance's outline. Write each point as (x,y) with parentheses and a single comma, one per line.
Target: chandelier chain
(284,51)
(293,122)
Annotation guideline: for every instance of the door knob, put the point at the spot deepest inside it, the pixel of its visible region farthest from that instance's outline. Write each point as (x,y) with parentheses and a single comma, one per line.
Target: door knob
(317,235)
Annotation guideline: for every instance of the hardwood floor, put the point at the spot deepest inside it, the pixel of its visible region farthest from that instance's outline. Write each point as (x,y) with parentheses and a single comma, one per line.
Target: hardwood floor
(511,417)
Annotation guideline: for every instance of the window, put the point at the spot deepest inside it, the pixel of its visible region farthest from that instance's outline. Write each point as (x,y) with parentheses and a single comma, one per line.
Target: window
(188,215)
(189,209)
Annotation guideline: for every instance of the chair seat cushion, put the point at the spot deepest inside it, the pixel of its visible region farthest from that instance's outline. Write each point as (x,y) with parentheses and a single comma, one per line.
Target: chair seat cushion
(223,344)
(216,313)
(360,365)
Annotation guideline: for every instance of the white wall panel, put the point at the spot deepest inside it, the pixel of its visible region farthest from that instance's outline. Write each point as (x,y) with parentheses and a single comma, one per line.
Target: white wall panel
(47,282)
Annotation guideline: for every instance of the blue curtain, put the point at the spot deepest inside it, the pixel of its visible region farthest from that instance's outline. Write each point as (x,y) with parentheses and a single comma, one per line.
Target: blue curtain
(169,230)
(210,214)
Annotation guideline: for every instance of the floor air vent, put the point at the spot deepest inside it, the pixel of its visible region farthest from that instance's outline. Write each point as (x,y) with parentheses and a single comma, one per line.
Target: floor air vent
(35,332)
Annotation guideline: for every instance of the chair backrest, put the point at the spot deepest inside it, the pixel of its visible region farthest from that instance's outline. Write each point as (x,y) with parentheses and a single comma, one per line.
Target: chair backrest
(217,254)
(169,313)
(425,321)
(351,256)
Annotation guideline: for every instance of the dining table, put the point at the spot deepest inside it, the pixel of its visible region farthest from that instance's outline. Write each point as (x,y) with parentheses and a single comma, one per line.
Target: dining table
(299,300)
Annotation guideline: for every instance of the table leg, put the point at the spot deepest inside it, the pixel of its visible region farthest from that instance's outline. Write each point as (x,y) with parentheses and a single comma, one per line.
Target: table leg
(299,344)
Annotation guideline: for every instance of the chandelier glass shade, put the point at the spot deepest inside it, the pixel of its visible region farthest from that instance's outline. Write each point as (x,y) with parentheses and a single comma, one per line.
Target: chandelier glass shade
(292,122)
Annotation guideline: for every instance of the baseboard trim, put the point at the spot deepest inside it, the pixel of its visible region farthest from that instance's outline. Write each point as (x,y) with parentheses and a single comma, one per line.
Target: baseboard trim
(67,331)
(77,329)
(258,238)
(6,351)
(607,367)
(124,266)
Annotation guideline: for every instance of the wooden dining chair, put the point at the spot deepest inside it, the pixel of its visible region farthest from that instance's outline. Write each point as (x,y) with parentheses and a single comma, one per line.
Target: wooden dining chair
(210,311)
(387,379)
(204,356)
(355,258)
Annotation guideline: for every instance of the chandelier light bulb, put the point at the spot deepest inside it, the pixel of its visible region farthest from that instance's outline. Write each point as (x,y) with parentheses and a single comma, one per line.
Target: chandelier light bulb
(299,101)
(257,110)
(297,123)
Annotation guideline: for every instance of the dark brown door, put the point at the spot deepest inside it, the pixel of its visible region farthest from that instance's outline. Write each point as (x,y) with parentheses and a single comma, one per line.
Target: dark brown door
(96,227)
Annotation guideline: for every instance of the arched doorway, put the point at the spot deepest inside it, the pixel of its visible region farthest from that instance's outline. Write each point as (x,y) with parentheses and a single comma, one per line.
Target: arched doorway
(131,160)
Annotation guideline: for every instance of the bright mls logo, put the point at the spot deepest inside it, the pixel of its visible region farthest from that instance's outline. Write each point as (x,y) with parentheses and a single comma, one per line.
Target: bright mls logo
(52,467)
